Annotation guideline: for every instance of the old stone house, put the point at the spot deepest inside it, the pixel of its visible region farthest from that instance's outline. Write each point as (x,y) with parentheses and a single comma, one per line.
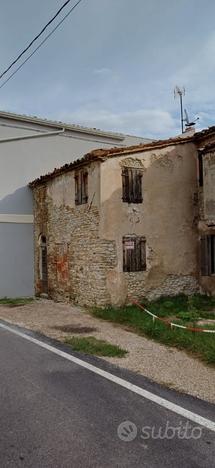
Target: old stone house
(29,147)
(128,222)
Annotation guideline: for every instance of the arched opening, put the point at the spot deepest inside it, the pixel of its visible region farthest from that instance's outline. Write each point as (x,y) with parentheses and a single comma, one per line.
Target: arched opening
(43,267)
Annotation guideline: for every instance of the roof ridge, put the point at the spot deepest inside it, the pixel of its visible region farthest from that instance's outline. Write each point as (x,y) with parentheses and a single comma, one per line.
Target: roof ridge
(46,121)
(69,126)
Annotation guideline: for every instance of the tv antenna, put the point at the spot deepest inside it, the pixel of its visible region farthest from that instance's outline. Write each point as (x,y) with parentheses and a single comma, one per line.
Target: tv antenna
(180,92)
(188,122)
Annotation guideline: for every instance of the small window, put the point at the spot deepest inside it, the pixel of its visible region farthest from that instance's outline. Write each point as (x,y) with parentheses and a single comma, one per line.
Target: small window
(208,255)
(132,185)
(200,159)
(134,253)
(81,187)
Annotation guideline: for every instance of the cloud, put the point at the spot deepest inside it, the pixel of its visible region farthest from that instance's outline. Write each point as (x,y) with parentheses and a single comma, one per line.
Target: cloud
(102,71)
(198,74)
(122,64)
(152,123)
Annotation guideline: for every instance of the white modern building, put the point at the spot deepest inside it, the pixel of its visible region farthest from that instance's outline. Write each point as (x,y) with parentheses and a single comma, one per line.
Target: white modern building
(29,147)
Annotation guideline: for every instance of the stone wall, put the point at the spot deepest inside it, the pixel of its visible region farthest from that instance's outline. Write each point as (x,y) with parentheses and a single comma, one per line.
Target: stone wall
(171,285)
(78,260)
(40,227)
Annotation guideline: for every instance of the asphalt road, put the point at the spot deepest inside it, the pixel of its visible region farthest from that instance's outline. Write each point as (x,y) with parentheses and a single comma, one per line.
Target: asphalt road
(55,413)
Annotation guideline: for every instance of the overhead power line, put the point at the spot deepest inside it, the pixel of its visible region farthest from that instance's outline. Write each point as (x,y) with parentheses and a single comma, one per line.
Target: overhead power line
(40,45)
(35,39)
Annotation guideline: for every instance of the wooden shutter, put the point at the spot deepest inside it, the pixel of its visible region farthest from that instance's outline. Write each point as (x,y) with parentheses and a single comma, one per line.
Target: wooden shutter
(213,254)
(132,185)
(200,159)
(84,187)
(125,185)
(128,253)
(81,187)
(135,186)
(142,254)
(77,189)
(134,253)
(138,198)
(205,256)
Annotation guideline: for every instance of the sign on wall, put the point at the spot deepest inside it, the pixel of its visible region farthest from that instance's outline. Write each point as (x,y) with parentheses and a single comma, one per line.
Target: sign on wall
(129,245)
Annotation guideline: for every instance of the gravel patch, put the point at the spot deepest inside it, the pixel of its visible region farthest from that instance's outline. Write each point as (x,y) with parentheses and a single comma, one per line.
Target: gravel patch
(165,365)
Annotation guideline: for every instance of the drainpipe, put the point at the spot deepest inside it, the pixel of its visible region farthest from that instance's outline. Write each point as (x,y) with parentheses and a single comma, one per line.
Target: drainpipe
(33,135)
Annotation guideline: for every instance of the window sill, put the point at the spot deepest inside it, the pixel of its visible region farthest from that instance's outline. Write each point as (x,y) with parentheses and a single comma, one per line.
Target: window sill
(137,202)
(80,204)
(136,271)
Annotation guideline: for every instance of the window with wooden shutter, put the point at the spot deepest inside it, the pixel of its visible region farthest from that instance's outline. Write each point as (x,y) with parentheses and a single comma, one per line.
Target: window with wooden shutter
(208,255)
(212,255)
(81,187)
(134,253)
(132,185)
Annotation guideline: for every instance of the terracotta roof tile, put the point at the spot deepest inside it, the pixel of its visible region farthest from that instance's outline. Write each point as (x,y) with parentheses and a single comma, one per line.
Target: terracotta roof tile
(102,154)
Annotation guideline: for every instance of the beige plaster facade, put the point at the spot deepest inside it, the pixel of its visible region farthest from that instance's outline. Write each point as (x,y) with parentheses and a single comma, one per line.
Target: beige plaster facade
(166,218)
(206,223)
(84,242)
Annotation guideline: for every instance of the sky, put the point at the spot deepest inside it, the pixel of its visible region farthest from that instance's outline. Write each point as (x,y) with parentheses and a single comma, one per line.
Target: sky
(113,64)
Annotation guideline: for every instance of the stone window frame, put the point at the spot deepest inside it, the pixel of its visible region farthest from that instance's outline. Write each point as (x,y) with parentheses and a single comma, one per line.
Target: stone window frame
(134,253)
(81,186)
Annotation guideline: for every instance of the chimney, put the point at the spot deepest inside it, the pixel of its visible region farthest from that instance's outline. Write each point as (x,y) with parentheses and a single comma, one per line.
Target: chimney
(189,130)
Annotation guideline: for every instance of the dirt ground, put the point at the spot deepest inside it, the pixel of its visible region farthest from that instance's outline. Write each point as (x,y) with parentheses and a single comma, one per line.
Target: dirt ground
(168,366)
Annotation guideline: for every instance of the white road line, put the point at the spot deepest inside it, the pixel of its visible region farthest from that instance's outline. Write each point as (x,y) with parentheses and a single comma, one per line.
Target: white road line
(117,380)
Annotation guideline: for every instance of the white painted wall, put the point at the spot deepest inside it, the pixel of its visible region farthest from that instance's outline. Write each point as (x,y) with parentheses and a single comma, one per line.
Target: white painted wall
(21,161)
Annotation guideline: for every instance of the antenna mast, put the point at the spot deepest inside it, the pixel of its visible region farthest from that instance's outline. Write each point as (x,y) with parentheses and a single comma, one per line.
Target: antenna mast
(180,92)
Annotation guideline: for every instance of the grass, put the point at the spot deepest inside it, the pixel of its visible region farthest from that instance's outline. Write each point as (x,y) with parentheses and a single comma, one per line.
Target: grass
(185,310)
(15,302)
(91,345)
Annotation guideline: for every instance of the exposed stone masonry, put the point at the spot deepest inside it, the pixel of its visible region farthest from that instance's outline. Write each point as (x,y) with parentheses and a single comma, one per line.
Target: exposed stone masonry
(171,286)
(77,258)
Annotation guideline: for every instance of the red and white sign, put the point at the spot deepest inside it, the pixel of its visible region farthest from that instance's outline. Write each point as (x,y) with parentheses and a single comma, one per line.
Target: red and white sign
(129,245)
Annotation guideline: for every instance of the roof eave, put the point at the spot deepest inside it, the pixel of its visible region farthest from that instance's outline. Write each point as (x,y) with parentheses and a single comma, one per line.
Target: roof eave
(100,155)
(61,125)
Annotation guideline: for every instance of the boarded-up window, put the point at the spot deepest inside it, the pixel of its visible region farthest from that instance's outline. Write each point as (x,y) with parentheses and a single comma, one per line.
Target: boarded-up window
(208,255)
(81,187)
(134,253)
(132,185)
